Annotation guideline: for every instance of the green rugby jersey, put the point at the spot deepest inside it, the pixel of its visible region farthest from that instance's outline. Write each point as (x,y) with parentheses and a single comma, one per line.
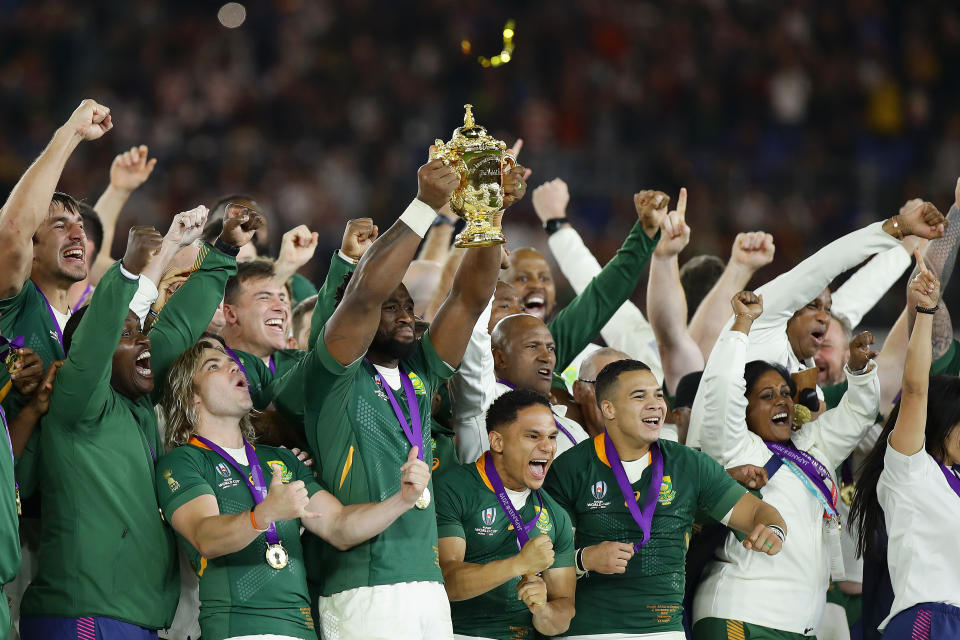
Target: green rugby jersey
(9,526)
(260,376)
(239,593)
(360,446)
(27,314)
(467,508)
(444,451)
(648,597)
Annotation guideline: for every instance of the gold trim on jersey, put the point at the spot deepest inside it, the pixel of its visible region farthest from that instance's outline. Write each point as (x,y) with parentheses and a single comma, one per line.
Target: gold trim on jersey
(346,467)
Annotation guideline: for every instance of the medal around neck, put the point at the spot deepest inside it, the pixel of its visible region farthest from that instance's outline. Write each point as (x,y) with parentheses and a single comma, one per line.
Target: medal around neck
(480,160)
(277,556)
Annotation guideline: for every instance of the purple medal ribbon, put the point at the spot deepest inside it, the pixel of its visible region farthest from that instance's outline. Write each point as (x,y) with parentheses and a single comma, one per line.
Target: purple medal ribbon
(555,421)
(53,316)
(952,479)
(415,434)
(644,517)
(83,298)
(521,528)
(272,365)
(811,467)
(7,345)
(258,487)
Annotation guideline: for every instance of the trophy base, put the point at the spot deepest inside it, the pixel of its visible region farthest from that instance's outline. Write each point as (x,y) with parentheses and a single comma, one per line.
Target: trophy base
(479,238)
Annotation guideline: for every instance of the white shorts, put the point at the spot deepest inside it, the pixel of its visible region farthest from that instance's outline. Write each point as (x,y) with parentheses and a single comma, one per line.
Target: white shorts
(407,611)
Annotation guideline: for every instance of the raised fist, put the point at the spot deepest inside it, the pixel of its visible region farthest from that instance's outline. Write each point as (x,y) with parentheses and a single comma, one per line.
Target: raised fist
(143,243)
(550,200)
(435,182)
(753,250)
(860,351)
(514,185)
(923,220)
(131,169)
(90,120)
(240,225)
(187,226)
(651,208)
(298,246)
(747,304)
(357,237)
(536,555)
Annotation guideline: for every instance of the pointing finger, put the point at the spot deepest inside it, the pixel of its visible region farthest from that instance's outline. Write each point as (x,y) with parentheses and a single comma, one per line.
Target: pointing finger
(682,202)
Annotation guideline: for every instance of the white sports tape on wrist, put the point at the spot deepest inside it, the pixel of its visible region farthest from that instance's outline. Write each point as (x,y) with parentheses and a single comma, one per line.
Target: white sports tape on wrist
(418,216)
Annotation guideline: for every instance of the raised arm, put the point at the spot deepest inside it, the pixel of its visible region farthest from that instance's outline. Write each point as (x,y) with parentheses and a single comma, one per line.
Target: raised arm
(576,324)
(666,303)
(345,526)
(436,246)
(83,383)
(750,253)
(890,362)
(128,171)
(296,249)
(725,436)
(627,330)
(909,431)
(349,331)
(450,267)
(29,202)
(357,238)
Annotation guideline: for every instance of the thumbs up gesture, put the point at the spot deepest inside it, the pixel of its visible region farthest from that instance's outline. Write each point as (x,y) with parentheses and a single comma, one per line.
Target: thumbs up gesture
(284,501)
(414,477)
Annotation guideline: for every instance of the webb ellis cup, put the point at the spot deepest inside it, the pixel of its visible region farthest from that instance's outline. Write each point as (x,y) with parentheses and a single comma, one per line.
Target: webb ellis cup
(480,160)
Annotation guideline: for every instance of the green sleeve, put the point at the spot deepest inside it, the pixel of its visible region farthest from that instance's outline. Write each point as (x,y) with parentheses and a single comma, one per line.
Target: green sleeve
(27,466)
(718,491)
(581,320)
(188,312)
(82,388)
(563,548)
(833,394)
(326,297)
(302,472)
(557,485)
(449,507)
(180,480)
(429,362)
(948,363)
(300,289)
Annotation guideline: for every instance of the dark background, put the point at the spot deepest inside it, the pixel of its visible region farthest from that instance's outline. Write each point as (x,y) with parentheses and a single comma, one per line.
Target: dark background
(806,119)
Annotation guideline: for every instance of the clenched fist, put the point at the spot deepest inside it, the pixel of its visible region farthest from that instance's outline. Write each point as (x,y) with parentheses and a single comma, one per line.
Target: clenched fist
(607,557)
(187,226)
(550,200)
(536,555)
(532,591)
(651,208)
(860,351)
(298,246)
(143,243)
(90,120)
(747,305)
(435,182)
(923,220)
(240,226)
(357,237)
(753,250)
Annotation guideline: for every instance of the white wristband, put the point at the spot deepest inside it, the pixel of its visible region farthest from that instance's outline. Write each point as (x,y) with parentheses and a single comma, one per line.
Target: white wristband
(419,216)
(345,257)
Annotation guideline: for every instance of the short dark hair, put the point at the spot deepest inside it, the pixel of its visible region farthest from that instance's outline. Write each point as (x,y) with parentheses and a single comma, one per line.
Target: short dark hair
(93,229)
(608,376)
(687,390)
(212,337)
(307,305)
(252,270)
(72,323)
(505,409)
(697,277)
(756,368)
(66,202)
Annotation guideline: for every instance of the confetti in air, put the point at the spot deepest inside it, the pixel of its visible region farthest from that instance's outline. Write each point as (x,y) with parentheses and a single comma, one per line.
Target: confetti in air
(505,55)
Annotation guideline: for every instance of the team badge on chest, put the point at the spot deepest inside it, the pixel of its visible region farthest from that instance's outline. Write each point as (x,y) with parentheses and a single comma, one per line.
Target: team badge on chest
(487,516)
(598,491)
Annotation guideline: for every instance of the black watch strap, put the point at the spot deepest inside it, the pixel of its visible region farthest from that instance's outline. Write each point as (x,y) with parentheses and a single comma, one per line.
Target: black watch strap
(553,225)
(228,249)
(927,310)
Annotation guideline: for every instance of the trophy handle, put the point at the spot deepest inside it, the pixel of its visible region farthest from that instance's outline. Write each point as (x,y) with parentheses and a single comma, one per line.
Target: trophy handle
(508,157)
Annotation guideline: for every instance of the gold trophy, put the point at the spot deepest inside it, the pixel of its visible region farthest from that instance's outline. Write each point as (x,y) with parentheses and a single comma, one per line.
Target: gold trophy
(480,160)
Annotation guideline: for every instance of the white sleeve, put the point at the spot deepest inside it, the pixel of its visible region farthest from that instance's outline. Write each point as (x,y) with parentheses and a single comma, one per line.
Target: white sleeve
(724,435)
(144,298)
(787,293)
(837,432)
(902,471)
(627,330)
(472,390)
(864,289)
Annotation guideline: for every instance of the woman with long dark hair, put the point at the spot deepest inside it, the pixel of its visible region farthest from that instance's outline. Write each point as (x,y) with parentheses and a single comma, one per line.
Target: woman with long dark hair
(911,484)
(749,420)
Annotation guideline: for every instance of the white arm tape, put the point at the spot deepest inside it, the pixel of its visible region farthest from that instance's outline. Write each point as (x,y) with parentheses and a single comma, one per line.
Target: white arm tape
(419,216)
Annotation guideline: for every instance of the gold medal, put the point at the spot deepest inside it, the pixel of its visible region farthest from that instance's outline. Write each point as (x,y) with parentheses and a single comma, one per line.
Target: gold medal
(19,509)
(847,492)
(424,500)
(277,556)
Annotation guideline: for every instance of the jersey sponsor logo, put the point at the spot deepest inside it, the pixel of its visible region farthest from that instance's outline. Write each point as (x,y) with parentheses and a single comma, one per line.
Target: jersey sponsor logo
(419,388)
(222,470)
(378,388)
(598,491)
(667,492)
(173,484)
(487,516)
(54,336)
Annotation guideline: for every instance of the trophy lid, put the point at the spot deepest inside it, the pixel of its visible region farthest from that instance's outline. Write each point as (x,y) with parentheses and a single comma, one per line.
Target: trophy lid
(472,136)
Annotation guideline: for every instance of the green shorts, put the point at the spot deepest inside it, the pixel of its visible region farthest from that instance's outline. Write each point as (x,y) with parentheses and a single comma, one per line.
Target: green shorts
(720,629)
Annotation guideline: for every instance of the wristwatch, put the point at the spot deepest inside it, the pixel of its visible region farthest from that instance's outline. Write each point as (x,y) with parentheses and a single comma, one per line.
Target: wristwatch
(553,225)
